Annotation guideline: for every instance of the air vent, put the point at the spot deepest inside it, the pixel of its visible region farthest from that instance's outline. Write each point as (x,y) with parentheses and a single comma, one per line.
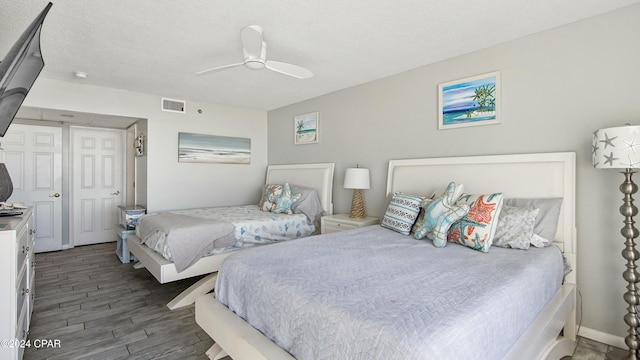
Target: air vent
(173,105)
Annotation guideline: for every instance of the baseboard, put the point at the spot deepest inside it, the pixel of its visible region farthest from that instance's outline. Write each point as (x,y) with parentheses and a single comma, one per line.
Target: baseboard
(602,337)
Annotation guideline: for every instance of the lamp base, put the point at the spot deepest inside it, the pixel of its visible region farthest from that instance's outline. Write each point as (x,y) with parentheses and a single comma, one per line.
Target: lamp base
(6,186)
(357,206)
(629,231)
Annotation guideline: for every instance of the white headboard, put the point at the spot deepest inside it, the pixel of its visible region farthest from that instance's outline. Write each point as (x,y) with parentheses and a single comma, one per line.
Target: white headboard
(522,175)
(315,176)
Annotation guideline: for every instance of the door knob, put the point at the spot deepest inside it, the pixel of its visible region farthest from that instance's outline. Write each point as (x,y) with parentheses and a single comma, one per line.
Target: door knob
(116,193)
(56,195)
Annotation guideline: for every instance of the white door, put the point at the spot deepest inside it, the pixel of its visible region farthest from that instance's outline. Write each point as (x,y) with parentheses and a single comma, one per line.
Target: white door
(33,155)
(97,163)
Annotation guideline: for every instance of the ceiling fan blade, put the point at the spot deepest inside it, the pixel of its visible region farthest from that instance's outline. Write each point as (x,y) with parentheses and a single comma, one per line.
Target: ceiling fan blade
(289,69)
(218,68)
(252,41)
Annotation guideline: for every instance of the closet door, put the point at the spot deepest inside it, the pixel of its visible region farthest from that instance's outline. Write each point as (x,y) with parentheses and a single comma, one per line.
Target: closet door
(97,183)
(33,156)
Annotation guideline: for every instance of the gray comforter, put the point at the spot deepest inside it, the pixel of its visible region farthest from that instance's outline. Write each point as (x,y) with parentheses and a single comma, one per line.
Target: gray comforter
(372,293)
(189,238)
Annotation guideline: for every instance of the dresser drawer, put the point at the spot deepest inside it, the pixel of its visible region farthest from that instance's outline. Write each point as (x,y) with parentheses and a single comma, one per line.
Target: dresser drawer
(22,250)
(22,291)
(22,330)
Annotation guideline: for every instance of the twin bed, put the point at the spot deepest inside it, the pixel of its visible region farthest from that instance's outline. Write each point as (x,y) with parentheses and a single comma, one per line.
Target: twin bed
(376,293)
(252,227)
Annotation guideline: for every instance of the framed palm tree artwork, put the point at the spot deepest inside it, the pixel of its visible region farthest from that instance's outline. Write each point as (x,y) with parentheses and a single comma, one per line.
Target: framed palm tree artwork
(305,129)
(470,101)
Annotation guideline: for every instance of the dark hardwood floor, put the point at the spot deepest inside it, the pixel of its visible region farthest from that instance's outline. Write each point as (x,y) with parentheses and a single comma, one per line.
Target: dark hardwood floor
(95,307)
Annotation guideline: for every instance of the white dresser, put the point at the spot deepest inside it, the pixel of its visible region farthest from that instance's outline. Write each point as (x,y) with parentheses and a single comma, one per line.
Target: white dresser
(16,282)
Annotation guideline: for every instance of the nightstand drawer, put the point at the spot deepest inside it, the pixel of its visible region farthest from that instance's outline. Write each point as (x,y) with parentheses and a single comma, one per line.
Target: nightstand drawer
(333,227)
(341,222)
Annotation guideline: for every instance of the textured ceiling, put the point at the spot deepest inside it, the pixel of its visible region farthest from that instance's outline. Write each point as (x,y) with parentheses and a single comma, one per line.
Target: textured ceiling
(157,46)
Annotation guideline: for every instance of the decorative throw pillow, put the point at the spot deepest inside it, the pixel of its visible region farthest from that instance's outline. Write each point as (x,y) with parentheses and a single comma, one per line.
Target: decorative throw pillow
(268,191)
(402,212)
(277,198)
(515,227)
(264,198)
(440,214)
(547,219)
(283,200)
(476,229)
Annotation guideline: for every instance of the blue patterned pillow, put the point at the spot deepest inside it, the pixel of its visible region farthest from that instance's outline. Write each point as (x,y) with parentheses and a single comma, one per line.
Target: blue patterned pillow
(402,212)
(278,199)
(440,214)
(285,200)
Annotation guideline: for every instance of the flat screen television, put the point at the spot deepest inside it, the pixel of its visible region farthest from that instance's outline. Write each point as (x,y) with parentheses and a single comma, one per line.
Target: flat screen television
(19,70)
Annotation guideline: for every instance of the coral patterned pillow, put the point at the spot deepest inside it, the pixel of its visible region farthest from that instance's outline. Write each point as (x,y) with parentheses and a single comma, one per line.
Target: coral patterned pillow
(476,229)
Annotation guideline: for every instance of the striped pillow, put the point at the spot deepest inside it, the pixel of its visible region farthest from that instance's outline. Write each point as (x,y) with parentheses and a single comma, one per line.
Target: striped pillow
(402,212)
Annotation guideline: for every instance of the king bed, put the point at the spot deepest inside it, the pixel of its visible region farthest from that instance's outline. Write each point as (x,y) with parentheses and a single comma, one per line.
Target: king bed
(375,292)
(152,253)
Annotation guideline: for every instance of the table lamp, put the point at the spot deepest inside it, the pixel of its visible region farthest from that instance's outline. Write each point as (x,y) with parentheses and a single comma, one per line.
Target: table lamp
(357,179)
(619,148)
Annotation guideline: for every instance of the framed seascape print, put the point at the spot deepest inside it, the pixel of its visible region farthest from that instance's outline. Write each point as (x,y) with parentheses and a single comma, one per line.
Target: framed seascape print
(471,101)
(201,148)
(305,129)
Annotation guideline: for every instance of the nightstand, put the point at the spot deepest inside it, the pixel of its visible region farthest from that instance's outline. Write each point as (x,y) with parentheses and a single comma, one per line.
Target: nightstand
(340,222)
(121,249)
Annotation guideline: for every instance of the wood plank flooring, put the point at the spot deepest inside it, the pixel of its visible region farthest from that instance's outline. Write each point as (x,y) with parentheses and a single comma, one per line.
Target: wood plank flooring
(99,308)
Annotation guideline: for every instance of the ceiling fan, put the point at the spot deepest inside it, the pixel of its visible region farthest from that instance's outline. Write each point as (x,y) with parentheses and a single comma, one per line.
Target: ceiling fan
(254,50)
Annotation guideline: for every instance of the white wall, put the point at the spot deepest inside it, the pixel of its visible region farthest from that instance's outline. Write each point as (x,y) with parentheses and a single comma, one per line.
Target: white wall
(558,87)
(170,184)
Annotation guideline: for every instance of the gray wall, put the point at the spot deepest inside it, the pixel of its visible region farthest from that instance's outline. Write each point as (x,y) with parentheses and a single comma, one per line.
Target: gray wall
(558,87)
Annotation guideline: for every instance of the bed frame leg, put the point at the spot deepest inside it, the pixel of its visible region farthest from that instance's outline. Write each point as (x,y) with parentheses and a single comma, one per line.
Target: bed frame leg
(138,265)
(215,352)
(559,349)
(188,297)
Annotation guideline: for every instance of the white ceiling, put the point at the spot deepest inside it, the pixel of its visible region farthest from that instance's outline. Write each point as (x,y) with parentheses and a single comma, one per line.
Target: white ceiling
(157,46)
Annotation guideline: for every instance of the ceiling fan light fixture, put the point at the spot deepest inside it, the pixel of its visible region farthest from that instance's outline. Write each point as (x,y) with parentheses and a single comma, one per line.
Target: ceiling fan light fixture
(254,64)
(254,49)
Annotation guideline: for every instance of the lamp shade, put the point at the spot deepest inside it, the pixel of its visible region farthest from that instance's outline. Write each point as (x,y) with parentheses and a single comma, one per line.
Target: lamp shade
(356,178)
(616,148)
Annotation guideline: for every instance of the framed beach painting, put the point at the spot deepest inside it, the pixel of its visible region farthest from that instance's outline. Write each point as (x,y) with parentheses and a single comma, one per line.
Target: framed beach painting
(305,129)
(471,101)
(202,148)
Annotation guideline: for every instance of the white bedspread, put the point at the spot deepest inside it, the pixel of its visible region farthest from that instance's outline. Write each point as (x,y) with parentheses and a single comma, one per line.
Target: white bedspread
(372,293)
